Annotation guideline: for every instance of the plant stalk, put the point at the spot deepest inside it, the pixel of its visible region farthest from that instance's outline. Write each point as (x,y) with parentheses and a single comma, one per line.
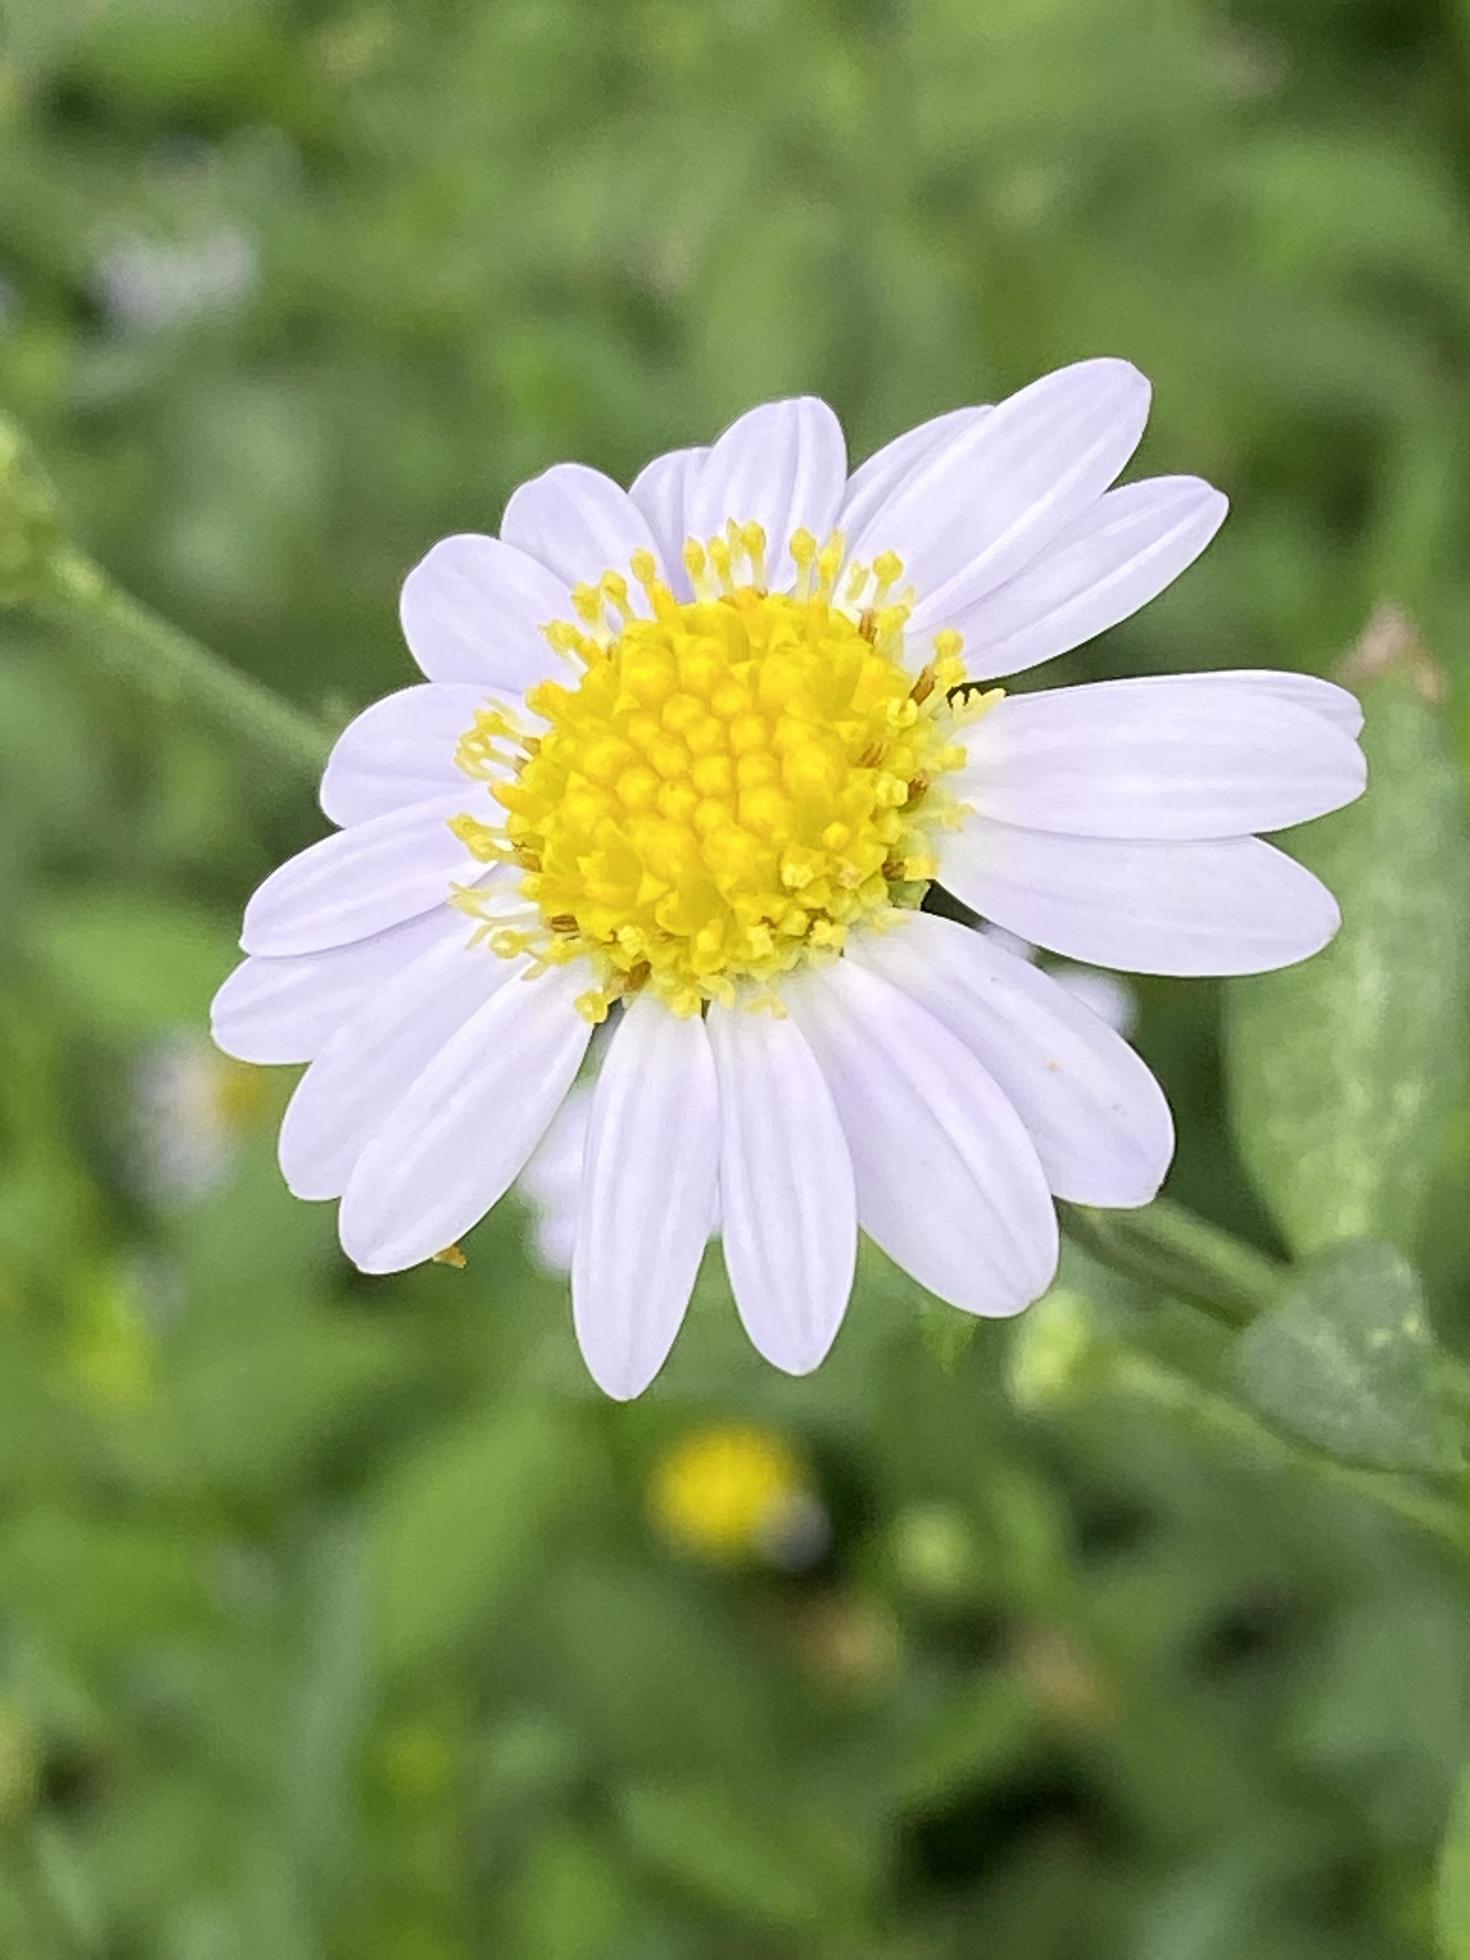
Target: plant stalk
(171,668)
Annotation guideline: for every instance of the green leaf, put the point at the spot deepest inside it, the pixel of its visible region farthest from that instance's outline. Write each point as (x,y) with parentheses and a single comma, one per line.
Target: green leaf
(778,1863)
(458,1525)
(1452,1883)
(707,1703)
(134,967)
(973,1739)
(1346,1362)
(254,1412)
(571,1900)
(1344,1069)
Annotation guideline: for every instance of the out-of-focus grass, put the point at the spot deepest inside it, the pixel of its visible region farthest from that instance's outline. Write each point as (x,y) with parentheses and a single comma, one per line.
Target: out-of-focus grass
(333,1616)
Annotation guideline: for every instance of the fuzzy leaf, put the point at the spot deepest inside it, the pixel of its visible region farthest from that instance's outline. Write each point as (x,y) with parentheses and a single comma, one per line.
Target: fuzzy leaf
(458,1526)
(1342,1070)
(1346,1361)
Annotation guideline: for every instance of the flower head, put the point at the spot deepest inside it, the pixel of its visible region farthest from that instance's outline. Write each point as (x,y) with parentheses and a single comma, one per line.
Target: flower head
(685,762)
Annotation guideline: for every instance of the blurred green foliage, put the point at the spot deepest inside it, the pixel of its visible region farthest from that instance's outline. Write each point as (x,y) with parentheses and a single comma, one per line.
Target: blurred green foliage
(333,1620)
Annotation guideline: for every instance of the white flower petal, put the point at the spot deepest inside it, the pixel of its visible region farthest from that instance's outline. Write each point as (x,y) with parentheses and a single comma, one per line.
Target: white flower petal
(554,1240)
(1107,995)
(361,880)
(1107,564)
(1011,942)
(985,504)
(456,1142)
(399,751)
(552,1179)
(474,610)
(874,483)
(647,1193)
(1110,760)
(1235,905)
(661,492)
(786,1188)
(285,1010)
(948,1182)
(376,1056)
(1308,691)
(1094,1112)
(578,522)
(782,466)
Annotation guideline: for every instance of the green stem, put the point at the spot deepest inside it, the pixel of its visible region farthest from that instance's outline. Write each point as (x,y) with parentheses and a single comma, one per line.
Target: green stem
(1169,1391)
(172,669)
(1167,1247)
(1179,1255)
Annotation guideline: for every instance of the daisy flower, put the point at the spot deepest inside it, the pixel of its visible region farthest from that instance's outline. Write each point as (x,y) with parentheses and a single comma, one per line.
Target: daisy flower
(687,757)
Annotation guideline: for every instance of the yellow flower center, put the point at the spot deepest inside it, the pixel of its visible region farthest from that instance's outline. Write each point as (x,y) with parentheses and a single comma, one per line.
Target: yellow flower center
(732,783)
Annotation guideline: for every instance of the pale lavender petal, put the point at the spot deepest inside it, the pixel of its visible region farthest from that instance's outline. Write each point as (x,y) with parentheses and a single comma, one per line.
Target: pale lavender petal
(1233,905)
(400,751)
(285,1010)
(782,466)
(577,522)
(1108,563)
(987,503)
(475,610)
(1107,995)
(1096,1116)
(456,1142)
(1110,760)
(876,482)
(948,1182)
(648,1188)
(786,1188)
(1307,691)
(361,880)
(375,1058)
(661,492)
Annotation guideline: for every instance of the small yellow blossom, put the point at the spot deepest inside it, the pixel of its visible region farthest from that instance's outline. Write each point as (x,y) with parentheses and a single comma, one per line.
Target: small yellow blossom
(733,1493)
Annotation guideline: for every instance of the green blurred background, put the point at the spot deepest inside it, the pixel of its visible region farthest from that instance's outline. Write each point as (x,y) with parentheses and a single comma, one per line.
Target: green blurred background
(342,1618)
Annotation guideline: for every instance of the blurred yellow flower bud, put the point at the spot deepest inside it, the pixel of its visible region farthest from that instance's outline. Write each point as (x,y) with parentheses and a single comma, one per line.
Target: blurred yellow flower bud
(736,1492)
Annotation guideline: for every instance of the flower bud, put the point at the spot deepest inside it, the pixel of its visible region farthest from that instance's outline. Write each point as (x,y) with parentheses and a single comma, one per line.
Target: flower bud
(934,1552)
(1055,1349)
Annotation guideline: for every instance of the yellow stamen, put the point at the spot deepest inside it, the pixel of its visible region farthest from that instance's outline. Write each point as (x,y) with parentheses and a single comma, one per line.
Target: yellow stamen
(754,539)
(732,784)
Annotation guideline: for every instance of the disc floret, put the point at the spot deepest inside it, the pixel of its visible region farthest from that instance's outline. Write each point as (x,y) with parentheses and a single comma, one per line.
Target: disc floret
(731,782)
